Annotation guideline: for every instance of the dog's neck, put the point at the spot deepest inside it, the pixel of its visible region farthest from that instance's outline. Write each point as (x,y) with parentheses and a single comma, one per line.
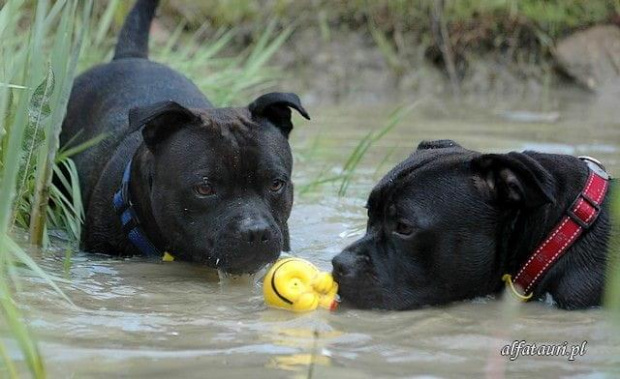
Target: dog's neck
(527,229)
(140,193)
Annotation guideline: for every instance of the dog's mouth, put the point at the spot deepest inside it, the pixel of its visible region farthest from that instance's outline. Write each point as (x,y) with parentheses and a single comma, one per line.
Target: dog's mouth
(359,298)
(230,255)
(359,293)
(243,267)
(234,260)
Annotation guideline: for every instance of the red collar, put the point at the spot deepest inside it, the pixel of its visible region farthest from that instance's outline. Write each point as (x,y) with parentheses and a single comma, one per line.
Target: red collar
(579,217)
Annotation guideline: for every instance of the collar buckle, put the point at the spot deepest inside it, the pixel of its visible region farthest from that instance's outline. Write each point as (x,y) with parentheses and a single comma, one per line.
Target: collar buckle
(586,224)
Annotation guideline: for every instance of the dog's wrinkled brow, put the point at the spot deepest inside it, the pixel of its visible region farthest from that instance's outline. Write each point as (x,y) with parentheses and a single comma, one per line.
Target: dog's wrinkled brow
(235,125)
(389,184)
(394,181)
(227,118)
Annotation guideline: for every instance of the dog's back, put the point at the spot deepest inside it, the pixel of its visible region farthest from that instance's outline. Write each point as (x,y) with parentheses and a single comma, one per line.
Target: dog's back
(102,96)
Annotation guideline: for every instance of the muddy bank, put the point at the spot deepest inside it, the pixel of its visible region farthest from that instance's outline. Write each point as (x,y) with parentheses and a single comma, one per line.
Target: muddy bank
(349,66)
(392,51)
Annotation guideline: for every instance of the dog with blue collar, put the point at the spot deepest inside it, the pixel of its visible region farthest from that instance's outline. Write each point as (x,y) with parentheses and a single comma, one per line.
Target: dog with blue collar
(177,176)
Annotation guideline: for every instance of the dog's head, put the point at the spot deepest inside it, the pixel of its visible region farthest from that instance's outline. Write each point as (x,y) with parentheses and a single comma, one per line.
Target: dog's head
(435,223)
(220,179)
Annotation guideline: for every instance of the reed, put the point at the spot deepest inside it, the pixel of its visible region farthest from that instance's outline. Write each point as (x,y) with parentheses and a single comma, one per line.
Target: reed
(348,171)
(36,73)
(225,80)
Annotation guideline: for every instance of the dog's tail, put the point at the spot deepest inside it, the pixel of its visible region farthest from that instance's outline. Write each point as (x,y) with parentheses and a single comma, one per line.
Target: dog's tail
(133,41)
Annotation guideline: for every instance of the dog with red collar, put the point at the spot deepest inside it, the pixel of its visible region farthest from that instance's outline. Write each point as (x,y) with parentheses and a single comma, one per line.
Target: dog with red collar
(451,224)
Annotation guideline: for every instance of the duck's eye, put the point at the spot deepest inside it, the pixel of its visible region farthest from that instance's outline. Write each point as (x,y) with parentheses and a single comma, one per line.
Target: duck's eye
(204,189)
(403,228)
(276,185)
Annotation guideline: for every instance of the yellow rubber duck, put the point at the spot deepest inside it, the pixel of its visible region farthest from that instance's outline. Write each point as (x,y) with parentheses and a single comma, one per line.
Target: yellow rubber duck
(297,285)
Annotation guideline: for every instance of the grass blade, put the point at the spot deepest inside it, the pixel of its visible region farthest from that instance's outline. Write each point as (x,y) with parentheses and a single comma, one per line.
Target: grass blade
(366,143)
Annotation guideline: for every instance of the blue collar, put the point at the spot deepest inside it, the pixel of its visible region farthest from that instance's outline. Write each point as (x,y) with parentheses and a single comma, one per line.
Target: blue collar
(129,219)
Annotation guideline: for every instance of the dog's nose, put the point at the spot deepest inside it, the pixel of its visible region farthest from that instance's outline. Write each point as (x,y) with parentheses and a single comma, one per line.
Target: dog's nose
(343,264)
(256,232)
(248,245)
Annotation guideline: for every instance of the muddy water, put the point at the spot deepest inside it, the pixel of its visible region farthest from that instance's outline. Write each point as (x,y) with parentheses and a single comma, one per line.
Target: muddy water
(169,320)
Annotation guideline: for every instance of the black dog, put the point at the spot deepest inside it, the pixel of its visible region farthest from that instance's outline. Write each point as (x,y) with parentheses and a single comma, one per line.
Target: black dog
(449,223)
(209,185)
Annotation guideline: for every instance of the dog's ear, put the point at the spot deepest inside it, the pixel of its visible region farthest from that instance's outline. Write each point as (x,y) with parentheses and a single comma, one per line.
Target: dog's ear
(158,121)
(437,144)
(513,179)
(275,107)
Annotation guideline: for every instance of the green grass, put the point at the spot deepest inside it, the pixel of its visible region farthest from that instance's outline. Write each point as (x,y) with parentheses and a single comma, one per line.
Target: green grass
(36,71)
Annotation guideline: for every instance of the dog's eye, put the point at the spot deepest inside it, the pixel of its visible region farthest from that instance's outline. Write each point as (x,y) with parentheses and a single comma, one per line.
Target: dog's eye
(204,189)
(403,229)
(276,185)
